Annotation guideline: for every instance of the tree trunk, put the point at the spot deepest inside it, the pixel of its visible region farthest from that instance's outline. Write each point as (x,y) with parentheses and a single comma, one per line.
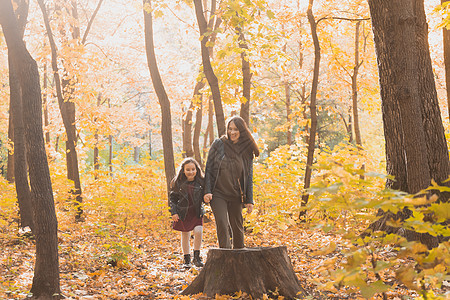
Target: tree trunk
(45,105)
(198,101)
(212,38)
(96,150)
(21,14)
(136,154)
(436,143)
(18,166)
(246,77)
(187,131)
(214,21)
(96,157)
(110,148)
(215,26)
(287,94)
(312,106)
(210,121)
(255,271)
(208,70)
(169,162)
(355,94)
(20,158)
(57,143)
(355,87)
(111,153)
(350,125)
(197,130)
(10,163)
(446,41)
(67,108)
(46,272)
(209,133)
(303,98)
(91,20)
(416,149)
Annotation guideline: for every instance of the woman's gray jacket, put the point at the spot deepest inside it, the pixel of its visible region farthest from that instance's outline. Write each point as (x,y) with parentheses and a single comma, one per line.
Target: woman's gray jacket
(215,157)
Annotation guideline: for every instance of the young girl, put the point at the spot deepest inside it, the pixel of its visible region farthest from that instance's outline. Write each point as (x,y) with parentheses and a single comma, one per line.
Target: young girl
(186,207)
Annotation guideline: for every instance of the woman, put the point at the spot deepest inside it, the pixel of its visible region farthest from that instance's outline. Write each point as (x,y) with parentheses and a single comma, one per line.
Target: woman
(229,181)
(186,207)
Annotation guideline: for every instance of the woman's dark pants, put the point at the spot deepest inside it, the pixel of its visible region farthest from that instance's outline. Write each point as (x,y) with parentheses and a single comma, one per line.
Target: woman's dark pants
(228,212)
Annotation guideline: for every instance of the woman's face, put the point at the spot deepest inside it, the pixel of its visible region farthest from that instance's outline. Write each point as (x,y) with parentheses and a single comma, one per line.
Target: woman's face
(190,171)
(233,132)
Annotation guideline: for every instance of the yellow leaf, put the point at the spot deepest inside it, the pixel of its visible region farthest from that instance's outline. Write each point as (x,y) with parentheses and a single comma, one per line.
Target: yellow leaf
(440,269)
(407,276)
(331,247)
(417,200)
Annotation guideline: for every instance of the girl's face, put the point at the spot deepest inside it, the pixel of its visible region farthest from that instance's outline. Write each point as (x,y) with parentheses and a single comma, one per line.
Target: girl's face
(233,132)
(190,171)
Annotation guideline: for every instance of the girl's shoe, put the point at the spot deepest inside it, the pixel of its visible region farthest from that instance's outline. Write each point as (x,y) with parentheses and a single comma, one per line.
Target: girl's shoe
(187,261)
(197,259)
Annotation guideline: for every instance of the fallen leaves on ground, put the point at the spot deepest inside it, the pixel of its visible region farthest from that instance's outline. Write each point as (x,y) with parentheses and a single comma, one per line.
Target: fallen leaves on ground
(146,264)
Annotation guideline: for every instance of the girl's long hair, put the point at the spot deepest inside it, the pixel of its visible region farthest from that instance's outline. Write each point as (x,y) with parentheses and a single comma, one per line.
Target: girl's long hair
(245,136)
(180,178)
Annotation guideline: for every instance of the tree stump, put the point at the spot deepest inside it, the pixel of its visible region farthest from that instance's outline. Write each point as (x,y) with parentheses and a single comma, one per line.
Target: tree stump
(255,271)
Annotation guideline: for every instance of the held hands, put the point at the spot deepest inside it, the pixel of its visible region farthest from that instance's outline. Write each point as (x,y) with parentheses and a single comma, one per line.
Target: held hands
(207,198)
(249,208)
(175,217)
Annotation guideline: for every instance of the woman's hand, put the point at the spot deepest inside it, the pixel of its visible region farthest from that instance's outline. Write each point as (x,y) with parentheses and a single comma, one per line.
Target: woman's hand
(249,207)
(207,198)
(175,217)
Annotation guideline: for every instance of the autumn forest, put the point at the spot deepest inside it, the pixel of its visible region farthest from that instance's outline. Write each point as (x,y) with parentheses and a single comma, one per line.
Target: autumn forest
(348,102)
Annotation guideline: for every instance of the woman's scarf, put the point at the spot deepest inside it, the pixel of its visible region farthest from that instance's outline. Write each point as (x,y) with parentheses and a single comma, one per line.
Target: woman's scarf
(242,149)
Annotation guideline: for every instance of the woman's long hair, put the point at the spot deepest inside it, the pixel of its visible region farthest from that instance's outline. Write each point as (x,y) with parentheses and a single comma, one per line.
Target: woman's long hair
(245,136)
(180,178)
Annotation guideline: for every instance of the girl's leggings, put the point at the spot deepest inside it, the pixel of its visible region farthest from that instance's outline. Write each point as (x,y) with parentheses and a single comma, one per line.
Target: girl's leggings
(185,236)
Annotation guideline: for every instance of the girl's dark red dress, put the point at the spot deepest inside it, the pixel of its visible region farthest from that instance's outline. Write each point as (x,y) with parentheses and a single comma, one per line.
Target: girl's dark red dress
(191,220)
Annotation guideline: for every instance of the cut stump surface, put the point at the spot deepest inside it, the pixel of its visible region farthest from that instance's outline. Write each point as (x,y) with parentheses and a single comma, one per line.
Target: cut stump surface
(255,271)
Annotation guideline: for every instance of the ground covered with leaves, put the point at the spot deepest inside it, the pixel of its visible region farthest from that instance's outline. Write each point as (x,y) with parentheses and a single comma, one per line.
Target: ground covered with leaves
(121,263)
(125,247)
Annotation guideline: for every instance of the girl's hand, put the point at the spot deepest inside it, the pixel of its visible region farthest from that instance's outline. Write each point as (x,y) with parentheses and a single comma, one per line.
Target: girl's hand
(175,217)
(249,207)
(207,198)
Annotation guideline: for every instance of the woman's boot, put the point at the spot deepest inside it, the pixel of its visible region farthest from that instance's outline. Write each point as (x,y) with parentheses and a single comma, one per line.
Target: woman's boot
(197,259)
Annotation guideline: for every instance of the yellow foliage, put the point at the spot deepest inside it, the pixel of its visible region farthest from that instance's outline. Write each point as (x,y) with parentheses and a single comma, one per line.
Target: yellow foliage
(278,185)
(8,206)
(113,199)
